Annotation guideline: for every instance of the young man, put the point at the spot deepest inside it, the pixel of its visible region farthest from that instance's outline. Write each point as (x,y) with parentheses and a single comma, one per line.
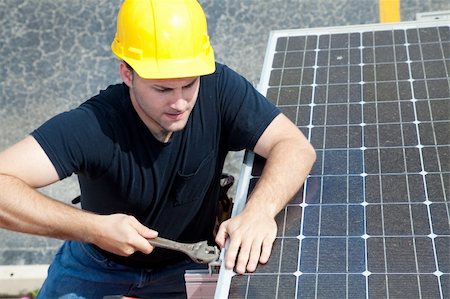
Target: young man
(149,154)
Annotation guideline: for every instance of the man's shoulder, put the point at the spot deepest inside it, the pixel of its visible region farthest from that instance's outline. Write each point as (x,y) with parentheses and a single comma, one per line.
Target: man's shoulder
(223,77)
(107,100)
(219,71)
(220,67)
(110,94)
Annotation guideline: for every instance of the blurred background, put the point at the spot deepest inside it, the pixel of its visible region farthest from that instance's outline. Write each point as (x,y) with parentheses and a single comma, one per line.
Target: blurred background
(55,54)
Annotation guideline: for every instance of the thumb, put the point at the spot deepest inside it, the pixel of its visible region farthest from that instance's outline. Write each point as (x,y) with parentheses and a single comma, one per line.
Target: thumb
(221,235)
(144,231)
(147,232)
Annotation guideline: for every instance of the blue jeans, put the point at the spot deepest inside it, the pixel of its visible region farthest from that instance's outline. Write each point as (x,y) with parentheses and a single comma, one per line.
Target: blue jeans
(80,271)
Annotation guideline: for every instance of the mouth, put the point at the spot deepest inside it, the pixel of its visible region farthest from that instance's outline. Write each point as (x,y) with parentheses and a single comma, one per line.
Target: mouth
(175,116)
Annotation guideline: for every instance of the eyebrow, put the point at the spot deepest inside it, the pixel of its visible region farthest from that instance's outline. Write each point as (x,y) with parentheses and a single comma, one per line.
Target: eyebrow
(170,88)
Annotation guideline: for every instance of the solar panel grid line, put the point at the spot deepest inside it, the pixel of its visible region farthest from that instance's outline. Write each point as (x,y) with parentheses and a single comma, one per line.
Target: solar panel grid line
(410,219)
(366,272)
(429,205)
(408,191)
(301,78)
(319,222)
(282,74)
(301,237)
(423,172)
(348,224)
(385,257)
(446,67)
(281,254)
(347,181)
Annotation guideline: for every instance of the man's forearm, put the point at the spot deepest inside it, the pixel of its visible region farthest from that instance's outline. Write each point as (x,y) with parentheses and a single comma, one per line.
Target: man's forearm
(287,166)
(26,210)
(23,209)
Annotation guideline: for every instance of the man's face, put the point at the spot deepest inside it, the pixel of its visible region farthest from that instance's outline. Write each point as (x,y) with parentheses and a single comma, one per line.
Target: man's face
(164,105)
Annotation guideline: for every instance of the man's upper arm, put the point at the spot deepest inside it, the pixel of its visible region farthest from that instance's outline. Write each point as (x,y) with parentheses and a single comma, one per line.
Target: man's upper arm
(27,161)
(280,129)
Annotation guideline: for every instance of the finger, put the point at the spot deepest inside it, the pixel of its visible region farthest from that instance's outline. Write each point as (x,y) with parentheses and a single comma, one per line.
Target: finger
(144,246)
(244,253)
(143,230)
(221,235)
(266,250)
(147,232)
(254,257)
(232,252)
(127,251)
(141,243)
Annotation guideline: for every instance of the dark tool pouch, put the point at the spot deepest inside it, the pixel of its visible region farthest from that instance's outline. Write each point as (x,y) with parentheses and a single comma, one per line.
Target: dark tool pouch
(225,202)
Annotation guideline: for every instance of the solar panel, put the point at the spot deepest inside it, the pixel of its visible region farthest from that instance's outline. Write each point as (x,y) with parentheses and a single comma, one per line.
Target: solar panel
(372,219)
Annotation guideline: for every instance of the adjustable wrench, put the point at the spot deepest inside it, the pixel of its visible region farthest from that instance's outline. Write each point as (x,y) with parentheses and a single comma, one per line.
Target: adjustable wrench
(199,252)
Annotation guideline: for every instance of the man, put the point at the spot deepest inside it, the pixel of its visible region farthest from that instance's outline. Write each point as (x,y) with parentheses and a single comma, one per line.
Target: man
(149,154)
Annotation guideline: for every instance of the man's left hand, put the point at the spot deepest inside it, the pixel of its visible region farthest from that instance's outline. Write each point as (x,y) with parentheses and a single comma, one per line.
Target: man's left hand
(251,238)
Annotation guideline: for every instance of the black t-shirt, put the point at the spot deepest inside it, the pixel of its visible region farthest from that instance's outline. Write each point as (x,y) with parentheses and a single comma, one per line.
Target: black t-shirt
(170,187)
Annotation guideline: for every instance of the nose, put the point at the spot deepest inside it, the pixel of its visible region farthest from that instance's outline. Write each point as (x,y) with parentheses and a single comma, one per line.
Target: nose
(179,105)
(178,101)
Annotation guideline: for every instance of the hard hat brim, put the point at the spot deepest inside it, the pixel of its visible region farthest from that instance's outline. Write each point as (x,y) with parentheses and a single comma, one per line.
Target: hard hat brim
(170,68)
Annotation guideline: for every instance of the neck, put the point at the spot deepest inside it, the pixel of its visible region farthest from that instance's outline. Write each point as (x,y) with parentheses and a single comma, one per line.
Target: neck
(162,136)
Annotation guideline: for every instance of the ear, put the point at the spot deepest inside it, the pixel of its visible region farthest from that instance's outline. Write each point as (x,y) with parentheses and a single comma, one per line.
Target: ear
(125,74)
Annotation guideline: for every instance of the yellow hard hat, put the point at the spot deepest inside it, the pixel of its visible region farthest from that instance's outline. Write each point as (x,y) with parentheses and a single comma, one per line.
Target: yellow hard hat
(163,39)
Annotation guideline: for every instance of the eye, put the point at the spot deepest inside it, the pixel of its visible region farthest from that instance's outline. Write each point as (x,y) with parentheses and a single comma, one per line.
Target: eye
(162,90)
(189,85)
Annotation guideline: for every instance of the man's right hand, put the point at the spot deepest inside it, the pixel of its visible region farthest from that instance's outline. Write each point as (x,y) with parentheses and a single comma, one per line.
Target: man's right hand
(122,235)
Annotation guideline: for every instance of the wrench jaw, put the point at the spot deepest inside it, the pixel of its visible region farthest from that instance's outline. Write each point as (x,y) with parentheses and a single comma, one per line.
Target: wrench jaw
(203,253)
(214,266)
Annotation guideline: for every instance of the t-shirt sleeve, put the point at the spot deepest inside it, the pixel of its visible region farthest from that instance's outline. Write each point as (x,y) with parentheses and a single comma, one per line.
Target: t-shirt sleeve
(245,112)
(76,142)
